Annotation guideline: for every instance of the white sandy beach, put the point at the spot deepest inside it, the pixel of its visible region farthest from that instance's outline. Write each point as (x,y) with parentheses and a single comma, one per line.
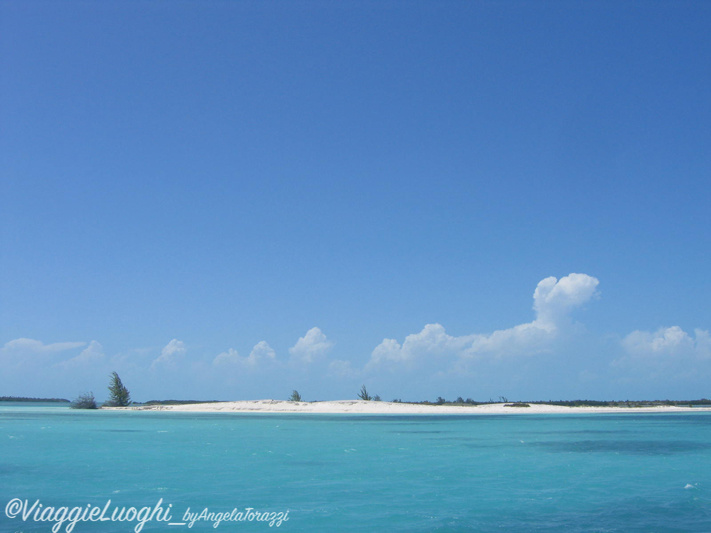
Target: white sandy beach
(386,408)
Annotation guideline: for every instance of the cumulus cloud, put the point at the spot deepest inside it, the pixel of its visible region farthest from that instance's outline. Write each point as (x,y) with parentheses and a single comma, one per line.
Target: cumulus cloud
(553,301)
(231,356)
(391,350)
(311,347)
(666,357)
(92,354)
(170,353)
(31,346)
(342,369)
(30,353)
(261,353)
(524,339)
(668,342)
(431,341)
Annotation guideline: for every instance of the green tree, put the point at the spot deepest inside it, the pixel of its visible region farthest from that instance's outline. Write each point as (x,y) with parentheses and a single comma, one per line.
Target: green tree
(295,396)
(118,393)
(363,394)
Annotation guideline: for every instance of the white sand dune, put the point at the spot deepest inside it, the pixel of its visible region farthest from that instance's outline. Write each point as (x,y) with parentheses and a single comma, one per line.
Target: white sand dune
(385,408)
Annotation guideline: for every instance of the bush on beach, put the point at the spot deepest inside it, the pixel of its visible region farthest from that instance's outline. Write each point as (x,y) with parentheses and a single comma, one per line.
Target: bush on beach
(363,394)
(295,396)
(84,401)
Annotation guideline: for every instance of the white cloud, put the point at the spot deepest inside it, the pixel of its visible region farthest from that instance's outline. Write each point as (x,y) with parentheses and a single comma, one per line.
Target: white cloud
(173,349)
(431,341)
(261,353)
(231,356)
(31,346)
(29,353)
(312,346)
(524,339)
(170,353)
(668,342)
(341,369)
(94,353)
(390,350)
(553,301)
(666,357)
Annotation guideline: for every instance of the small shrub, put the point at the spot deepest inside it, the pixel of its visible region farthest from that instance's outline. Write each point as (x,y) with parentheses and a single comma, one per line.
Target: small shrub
(84,401)
(363,394)
(295,396)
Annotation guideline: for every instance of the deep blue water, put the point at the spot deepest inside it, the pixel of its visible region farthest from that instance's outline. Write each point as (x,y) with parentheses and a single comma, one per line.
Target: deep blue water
(516,473)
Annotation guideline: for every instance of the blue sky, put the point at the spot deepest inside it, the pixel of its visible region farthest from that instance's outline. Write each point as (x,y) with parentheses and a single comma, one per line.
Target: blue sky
(232,200)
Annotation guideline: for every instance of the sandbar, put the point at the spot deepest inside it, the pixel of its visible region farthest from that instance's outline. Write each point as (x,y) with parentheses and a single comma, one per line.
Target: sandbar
(400,408)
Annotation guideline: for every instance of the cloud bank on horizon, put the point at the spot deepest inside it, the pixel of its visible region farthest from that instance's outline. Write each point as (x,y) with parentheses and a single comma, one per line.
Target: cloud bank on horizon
(431,356)
(553,301)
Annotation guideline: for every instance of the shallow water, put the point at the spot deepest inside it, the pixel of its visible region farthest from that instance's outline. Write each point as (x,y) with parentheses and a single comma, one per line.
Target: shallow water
(342,473)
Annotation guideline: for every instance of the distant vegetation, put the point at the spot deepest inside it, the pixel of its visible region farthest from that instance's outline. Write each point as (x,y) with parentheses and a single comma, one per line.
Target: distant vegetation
(295,396)
(442,401)
(629,403)
(177,402)
(85,401)
(363,394)
(568,403)
(36,400)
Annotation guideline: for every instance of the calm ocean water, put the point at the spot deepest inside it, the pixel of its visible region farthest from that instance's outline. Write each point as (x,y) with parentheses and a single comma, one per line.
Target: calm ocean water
(553,473)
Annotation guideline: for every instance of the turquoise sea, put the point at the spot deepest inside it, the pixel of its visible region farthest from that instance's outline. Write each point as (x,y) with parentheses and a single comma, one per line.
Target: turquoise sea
(346,473)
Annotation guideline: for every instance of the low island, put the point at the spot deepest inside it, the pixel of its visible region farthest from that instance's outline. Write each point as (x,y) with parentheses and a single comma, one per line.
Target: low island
(401,408)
